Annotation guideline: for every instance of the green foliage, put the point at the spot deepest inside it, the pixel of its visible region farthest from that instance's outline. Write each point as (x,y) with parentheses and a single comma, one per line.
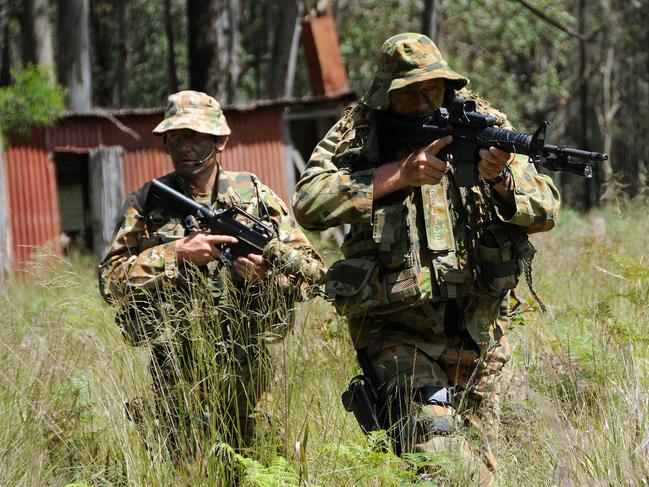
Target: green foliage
(363,26)
(33,100)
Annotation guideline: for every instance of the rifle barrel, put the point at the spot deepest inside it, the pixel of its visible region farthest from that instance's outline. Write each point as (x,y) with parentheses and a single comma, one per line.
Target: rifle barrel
(561,150)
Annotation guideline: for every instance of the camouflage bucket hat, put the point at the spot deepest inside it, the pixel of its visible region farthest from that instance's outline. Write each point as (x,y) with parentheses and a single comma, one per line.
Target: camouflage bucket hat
(406,59)
(195,111)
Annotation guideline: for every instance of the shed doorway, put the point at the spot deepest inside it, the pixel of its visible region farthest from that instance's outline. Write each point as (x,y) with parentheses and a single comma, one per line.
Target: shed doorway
(74,201)
(91,192)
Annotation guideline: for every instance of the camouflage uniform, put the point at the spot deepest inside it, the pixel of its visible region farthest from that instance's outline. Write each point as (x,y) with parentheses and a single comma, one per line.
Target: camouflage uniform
(427,270)
(187,313)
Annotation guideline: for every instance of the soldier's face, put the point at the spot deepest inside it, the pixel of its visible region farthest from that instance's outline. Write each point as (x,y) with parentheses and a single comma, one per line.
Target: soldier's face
(418,99)
(191,152)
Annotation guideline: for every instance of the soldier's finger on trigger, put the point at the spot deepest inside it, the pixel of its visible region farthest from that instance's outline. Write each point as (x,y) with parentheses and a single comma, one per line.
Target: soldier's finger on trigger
(222,239)
(255,258)
(439,144)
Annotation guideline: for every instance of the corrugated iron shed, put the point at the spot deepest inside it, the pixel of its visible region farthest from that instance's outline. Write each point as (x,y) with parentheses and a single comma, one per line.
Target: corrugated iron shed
(257,144)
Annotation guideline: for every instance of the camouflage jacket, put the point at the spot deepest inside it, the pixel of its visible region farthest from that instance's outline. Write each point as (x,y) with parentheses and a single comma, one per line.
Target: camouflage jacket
(141,257)
(418,245)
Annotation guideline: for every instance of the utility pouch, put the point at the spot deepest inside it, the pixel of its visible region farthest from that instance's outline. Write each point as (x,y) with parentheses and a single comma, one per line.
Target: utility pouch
(361,399)
(355,285)
(501,250)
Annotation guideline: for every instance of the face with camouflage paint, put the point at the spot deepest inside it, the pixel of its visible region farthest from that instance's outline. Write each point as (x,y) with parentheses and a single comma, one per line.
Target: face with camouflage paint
(192,153)
(418,99)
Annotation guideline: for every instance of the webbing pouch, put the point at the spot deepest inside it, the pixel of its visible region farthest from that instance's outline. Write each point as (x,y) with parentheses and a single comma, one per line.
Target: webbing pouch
(390,234)
(450,278)
(387,225)
(402,285)
(355,285)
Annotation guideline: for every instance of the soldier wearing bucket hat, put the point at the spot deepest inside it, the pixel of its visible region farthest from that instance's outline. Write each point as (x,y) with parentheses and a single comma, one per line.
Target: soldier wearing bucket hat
(206,320)
(428,266)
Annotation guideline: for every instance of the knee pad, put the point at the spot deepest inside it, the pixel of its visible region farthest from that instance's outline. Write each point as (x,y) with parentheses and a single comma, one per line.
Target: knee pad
(436,411)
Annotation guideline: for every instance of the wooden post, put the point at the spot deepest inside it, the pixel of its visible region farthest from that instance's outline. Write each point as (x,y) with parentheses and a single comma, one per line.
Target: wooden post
(105,171)
(5,225)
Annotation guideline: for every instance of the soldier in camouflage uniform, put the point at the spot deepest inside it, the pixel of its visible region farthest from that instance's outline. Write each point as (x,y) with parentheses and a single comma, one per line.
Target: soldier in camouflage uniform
(428,265)
(206,322)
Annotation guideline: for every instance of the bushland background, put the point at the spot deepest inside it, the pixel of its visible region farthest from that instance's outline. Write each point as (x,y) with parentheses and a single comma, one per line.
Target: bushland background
(576,404)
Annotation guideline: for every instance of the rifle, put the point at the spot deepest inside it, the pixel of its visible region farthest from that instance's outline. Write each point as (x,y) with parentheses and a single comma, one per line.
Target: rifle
(472,131)
(252,238)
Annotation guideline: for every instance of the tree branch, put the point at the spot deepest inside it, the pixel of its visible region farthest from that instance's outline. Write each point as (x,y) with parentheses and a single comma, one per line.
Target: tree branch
(553,22)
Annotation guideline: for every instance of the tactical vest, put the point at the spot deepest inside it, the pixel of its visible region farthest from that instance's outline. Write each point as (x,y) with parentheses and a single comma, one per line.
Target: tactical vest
(140,318)
(425,244)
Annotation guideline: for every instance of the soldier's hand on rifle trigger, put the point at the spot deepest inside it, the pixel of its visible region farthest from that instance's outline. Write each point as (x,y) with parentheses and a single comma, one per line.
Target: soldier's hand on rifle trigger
(252,267)
(423,166)
(201,248)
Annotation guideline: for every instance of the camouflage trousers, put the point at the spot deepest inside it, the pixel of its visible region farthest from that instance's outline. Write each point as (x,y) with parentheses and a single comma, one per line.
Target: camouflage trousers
(207,394)
(417,351)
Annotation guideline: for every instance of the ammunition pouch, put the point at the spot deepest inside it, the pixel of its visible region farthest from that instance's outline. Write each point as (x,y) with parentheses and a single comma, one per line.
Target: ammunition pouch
(358,287)
(501,251)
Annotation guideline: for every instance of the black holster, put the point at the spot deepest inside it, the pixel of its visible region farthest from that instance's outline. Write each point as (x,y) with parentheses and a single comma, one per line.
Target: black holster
(361,399)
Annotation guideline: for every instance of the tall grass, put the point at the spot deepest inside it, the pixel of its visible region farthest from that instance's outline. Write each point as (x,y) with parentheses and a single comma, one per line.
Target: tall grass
(576,402)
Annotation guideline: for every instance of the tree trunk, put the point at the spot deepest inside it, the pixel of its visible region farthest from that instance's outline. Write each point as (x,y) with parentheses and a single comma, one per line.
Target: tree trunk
(213,41)
(5,71)
(36,33)
(5,17)
(590,185)
(610,104)
(281,54)
(629,144)
(172,76)
(74,53)
(121,92)
(429,20)
(5,225)
(292,59)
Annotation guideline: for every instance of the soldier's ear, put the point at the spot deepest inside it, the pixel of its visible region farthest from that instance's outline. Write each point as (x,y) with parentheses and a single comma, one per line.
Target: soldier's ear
(221,141)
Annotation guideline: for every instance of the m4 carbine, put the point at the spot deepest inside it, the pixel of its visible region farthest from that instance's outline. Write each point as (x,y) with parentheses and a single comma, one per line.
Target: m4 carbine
(252,237)
(472,131)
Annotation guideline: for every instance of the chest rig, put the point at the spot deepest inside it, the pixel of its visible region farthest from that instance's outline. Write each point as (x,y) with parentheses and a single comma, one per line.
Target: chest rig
(425,244)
